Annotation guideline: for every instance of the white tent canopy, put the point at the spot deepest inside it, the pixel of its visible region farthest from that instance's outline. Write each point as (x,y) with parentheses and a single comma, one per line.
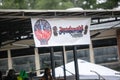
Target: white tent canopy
(87,71)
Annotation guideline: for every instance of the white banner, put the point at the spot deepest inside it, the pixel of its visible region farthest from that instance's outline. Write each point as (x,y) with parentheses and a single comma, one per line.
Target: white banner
(61,31)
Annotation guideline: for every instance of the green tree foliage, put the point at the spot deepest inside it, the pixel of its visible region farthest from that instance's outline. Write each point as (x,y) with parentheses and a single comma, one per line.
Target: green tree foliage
(57,4)
(13,4)
(36,4)
(110,4)
(65,5)
(86,4)
(49,4)
(92,4)
(6,4)
(53,4)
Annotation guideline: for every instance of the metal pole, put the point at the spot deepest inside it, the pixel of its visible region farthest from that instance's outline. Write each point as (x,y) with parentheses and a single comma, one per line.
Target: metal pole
(64,68)
(52,61)
(76,63)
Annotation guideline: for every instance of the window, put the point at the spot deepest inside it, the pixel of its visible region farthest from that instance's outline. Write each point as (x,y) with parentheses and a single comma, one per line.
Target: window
(45,60)
(106,54)
(26,63)
(83,54)
(3,65)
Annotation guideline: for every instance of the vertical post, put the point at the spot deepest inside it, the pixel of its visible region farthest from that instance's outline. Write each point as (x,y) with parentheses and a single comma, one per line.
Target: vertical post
(9,60)
(37,61)
(118,43)
(64,62)
(76,63)
(52,61)
(65,57)
(92,59)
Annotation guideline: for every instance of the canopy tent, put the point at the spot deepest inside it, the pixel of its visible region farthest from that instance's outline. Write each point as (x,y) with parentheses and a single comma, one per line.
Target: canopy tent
(87,71)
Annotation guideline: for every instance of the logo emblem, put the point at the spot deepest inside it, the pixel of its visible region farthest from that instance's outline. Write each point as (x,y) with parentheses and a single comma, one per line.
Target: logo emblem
(42,31)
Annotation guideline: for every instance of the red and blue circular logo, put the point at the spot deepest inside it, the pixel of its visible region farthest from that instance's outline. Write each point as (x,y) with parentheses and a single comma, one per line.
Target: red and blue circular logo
(42,30)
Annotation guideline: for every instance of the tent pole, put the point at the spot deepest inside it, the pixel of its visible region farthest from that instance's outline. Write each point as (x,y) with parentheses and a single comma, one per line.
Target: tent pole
(64,68)
(76,63)
(52,61)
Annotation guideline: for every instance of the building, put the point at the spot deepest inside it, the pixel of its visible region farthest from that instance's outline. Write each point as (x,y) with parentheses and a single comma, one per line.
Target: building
(17,46)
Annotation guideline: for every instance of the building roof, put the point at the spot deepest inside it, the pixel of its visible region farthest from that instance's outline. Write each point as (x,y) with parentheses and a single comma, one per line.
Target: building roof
(15,25)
